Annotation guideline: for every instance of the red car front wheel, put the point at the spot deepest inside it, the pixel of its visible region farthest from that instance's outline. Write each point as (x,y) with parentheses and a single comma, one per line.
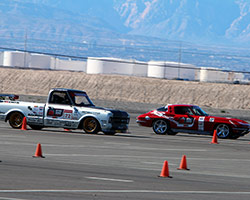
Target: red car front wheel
(160,126)
(223,131)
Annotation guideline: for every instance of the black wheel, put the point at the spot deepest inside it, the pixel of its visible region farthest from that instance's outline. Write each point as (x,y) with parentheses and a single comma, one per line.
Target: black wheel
(16,120)
(160,126)
(223,131)
(36,127)
(109,133)
(91,125)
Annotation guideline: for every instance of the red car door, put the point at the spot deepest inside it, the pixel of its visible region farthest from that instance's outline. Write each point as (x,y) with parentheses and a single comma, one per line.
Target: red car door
(184,118)
(184,121)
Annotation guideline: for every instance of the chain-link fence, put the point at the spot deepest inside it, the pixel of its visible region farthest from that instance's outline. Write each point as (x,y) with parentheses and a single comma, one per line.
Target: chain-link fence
(169,60)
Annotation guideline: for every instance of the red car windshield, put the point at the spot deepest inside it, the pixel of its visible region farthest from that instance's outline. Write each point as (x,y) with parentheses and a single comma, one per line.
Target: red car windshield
(198,111)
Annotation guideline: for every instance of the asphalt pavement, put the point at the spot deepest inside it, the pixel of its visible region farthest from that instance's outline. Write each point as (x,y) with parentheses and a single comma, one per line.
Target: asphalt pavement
(124,166)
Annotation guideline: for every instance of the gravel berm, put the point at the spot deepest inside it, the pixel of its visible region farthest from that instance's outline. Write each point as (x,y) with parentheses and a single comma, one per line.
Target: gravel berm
(129,93)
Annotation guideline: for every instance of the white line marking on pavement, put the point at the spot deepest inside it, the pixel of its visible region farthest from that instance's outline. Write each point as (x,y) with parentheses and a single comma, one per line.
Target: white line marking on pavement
(116,143)
(106,147)
(129,191)
(107,156)
(12,136)
(150,168)
(158,163)
(5,198)
(159,157)
(110,179)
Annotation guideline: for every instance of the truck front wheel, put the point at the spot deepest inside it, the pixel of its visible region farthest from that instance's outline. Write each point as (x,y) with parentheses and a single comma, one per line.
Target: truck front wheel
(16,120)
(91,125)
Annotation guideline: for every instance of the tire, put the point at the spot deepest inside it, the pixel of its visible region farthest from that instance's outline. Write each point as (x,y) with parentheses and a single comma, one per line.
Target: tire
(16,120)
(160,127)
(234,137)
(91,125)
(223,131)
(170,132)
(36,127)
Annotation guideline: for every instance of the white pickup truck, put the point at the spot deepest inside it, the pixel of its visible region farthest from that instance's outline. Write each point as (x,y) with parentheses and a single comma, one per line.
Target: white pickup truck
(65,108)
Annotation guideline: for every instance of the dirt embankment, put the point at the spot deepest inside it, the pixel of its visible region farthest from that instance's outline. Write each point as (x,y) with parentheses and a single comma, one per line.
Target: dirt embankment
(125,88)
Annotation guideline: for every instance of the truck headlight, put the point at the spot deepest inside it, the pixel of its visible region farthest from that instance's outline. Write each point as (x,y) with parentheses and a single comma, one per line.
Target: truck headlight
(104,122)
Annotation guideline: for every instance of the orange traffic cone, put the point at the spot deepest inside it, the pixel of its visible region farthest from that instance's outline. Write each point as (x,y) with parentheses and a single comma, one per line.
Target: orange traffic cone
(38,153)
(214,140)
(165,170)
(183,164)
(24,124)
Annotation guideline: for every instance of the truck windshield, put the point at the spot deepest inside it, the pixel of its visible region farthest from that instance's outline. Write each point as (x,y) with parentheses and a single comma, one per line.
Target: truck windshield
(81,99)
(198,111)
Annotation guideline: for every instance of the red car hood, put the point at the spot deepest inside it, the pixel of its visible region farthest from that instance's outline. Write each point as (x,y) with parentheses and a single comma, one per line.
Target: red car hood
(224,119)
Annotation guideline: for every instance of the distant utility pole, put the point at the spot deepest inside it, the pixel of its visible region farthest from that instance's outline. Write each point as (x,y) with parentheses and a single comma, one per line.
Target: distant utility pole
(25,48)
(179,68)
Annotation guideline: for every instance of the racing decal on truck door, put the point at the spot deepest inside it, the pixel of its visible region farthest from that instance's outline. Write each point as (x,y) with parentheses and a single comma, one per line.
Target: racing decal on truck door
(201,123)
(60,113)
(60,116)
(67,114)
(54,113)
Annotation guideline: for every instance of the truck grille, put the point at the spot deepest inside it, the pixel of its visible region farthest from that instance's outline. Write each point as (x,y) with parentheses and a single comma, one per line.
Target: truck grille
(120,120)
(117,120)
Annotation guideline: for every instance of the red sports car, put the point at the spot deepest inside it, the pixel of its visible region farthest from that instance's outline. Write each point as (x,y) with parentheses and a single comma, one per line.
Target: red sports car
(172,119)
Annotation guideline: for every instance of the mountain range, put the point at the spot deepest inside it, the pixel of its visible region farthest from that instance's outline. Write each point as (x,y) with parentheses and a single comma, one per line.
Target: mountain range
(146,29)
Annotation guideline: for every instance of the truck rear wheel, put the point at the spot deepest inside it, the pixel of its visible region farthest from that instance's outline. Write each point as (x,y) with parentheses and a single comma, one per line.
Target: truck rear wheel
(16,120)
(91,125)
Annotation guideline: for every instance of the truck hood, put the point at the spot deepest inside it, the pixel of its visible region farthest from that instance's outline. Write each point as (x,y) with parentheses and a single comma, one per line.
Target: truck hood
(94,109)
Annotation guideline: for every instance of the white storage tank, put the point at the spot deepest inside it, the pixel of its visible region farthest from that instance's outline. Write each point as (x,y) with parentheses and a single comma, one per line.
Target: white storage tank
(70,65)
(140,69)
(208,74)
(238,77)
(94,66)
(15,59)
(235,76)
(171,70)
(1,58)
(203,75)
(176,70)
(109,66)
(213,75)
(39,61)
(156,69)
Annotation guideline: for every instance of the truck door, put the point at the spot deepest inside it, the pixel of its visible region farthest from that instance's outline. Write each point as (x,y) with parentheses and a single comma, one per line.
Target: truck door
(59,111)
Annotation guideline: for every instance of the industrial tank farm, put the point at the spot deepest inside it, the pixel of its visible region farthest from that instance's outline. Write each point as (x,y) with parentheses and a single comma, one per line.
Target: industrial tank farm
(106,65)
